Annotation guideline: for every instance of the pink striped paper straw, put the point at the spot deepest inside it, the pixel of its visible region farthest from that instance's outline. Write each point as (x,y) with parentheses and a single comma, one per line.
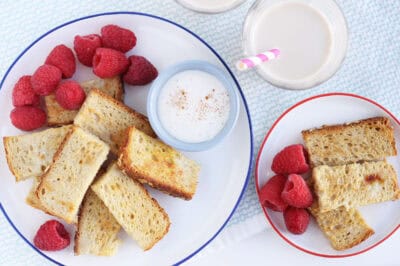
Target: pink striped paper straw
(252,61)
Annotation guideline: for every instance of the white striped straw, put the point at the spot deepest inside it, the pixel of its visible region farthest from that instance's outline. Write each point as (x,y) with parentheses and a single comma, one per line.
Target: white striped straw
(252,61)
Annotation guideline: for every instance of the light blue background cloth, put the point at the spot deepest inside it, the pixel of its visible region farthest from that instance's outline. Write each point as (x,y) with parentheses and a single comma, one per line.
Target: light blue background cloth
(371,68)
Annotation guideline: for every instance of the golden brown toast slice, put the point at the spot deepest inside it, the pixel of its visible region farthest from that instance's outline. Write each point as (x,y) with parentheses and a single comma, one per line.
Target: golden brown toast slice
(365,140)
(132,206)
(108,119)
(345,228)
(354,185)
(74,167)
(97,228)
(152,162)
(32,199)
(29,155)
(57,115)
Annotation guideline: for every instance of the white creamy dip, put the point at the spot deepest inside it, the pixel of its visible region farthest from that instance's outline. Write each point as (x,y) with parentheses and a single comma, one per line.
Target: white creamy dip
(193,106)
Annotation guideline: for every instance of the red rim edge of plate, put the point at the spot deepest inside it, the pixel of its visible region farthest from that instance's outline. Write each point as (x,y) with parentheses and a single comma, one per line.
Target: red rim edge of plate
(258,160)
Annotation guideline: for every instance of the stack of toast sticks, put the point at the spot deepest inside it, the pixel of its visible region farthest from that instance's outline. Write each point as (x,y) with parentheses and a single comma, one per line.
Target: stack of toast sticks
(92,172)
(349,169)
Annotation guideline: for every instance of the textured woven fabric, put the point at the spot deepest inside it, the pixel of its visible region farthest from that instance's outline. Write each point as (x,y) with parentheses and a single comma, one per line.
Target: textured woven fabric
(371,68)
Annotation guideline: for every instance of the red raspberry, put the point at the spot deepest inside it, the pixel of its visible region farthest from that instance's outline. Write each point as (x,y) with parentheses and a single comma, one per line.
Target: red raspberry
(140,71)
(296,220)
(296,193)
(270,194)
(45,79)
(23,93)
(70,95)
(118,38)
(85,47)
(51,236)
(62,57)
(290,160)
(108,63)
(28,118)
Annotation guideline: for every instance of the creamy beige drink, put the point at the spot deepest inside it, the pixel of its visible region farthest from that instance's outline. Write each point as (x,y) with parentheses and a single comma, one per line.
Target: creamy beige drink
(311,37)
(301,34)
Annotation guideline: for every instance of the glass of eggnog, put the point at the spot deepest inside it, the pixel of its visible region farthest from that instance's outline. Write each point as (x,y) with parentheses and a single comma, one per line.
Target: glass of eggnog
(310,34)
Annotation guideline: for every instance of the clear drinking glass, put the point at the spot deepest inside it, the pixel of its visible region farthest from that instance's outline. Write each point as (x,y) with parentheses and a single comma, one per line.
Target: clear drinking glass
(300,36)
(210,6)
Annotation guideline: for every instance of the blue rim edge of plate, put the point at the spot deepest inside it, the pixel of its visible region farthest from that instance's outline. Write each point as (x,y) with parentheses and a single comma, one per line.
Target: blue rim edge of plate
(212,50)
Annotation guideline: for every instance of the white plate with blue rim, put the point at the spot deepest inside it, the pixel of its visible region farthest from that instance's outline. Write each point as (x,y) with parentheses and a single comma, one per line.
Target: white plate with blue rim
(225,168)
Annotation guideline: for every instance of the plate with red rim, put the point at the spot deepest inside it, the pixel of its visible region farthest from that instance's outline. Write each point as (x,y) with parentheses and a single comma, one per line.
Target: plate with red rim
(326,109)
(222,180)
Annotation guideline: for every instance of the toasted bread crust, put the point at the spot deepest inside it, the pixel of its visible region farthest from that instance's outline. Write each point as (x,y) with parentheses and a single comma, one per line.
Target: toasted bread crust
(32,198)
(127,166)
(127,109)
(329,128)
(355,225)
(125,163)
(108,118)
(145,197)
(367,234)
(349,171)
(340,144)
(121,90)
(165,215)
(6,141)
(55,158)
(84,210)
(78,232)
(29,155)
(57,115)
(355,184)
(349,221)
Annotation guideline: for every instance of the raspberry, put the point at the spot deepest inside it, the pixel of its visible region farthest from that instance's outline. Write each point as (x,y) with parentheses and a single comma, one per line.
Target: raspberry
(62,57)
(296,193)
(270,194)
(28,118)
(51,236)
(85,47)
(290,160)
(108,63)
(70,95)
(45,79)
(296,220)
(23,93)
(118,38)
(140,71)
